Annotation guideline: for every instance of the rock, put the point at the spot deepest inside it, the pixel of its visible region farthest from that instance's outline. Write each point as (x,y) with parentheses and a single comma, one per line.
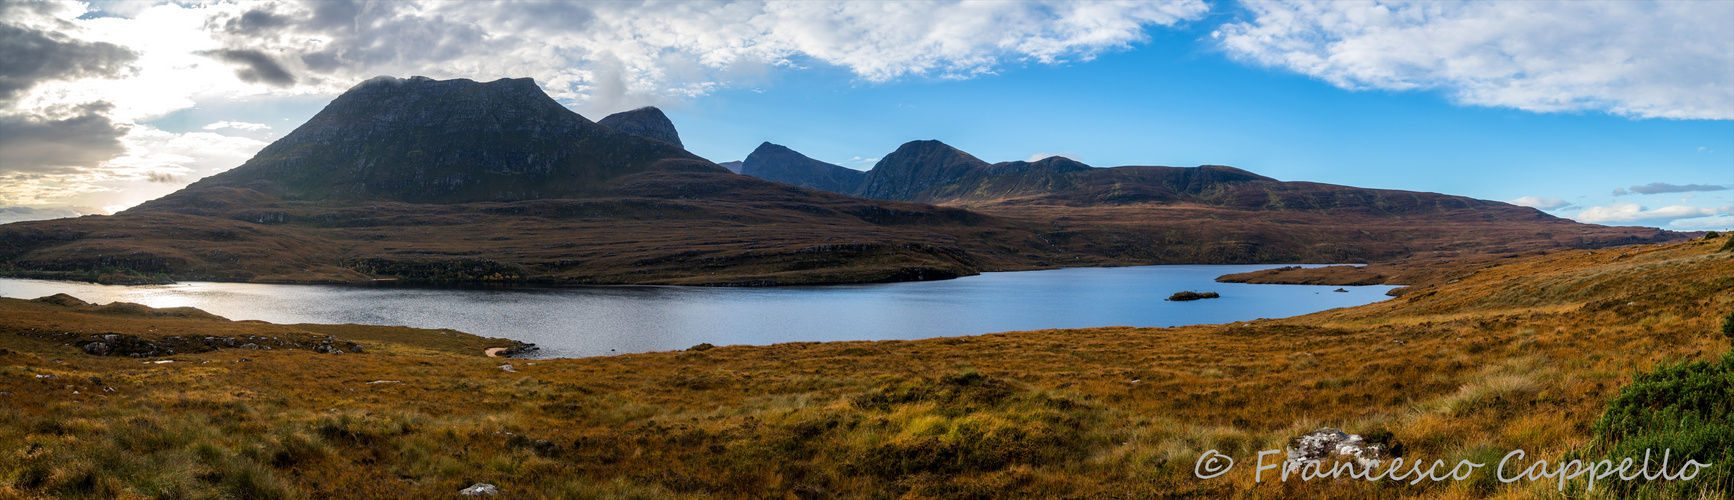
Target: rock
(507,367)
(1340,290)
(96,349)
(480,490)
(249,345)
(355,348)
(1332,444)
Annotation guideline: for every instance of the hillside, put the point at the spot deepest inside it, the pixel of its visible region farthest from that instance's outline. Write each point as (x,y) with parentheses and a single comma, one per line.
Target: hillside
(1209,214)
(1523,353)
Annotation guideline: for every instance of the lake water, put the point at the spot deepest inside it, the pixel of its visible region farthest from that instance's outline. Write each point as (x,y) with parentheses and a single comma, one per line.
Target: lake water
(599,320)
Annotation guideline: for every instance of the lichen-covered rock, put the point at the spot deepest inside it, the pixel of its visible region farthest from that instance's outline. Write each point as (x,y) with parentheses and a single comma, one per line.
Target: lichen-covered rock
(1332,444)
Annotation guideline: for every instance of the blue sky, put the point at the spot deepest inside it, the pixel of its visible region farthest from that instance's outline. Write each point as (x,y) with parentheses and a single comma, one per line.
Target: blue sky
(1554,105)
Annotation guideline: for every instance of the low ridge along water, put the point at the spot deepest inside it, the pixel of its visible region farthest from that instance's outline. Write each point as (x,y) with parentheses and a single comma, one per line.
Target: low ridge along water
(573,321)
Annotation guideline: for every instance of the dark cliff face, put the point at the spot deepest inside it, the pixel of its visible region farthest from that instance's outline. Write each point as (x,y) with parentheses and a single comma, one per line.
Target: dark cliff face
(777,163)
(442,141)
(644,122)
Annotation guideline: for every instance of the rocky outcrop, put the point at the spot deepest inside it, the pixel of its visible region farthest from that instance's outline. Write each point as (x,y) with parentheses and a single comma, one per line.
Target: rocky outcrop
(647,122)
(1332,444)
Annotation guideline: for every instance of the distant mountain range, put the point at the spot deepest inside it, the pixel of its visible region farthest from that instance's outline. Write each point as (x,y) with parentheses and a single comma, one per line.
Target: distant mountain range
(459,181)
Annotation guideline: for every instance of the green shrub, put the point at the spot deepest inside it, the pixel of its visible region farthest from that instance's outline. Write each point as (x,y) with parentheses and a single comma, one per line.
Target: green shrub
(1728,325)
(1712,235)
(1687,408)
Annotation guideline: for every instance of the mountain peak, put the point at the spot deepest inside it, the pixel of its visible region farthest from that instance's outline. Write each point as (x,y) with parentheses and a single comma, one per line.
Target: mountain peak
(774,162)
(910,172)
(644,122)
(422,140)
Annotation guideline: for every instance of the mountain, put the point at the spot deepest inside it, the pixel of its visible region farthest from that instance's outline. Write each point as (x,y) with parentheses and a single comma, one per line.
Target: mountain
(781,164)
(419,140)
(456,180)
(647,122)
(733,166)
(1211,213)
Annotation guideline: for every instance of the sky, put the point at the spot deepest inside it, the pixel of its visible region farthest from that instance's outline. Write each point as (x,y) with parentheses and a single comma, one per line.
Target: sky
(1616,113)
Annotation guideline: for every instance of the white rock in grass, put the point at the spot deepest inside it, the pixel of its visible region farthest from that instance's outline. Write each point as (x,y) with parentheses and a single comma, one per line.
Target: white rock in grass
(480,490)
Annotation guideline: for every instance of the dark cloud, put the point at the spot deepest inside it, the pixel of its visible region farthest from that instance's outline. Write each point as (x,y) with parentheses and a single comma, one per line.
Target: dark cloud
(161,177)
(29,56)
(256,22)
(1663,187)
(548,16)
(35,144)
(364,35)
(255,66)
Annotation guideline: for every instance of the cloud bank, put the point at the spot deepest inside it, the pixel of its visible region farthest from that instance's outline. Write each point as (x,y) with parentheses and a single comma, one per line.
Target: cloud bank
(1541,203)
(1619,213)
(1637,59)
(1663,187)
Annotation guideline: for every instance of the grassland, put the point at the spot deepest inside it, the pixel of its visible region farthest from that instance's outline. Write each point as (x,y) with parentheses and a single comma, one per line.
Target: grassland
(1475,360)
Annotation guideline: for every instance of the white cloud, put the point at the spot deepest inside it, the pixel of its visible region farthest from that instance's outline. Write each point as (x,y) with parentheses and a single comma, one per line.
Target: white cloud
(1541,203)
(1639,59)
(624,54)
(238,126)
(1043,156)
(1634,213)
(1703,224)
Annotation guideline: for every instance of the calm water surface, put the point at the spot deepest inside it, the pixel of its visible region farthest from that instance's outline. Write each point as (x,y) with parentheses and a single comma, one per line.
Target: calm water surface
(600,320)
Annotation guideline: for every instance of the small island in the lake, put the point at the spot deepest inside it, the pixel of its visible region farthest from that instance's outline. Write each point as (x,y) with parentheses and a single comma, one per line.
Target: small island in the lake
(1190,295)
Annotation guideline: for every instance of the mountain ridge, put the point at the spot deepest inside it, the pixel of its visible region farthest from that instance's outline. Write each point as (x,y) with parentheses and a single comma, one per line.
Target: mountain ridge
(458,181)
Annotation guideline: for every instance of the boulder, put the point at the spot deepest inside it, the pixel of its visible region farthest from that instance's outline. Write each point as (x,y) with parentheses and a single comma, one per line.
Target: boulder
(480,490)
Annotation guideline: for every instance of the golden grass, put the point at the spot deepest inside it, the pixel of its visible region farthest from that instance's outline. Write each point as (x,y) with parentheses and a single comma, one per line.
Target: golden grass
(1520,355)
